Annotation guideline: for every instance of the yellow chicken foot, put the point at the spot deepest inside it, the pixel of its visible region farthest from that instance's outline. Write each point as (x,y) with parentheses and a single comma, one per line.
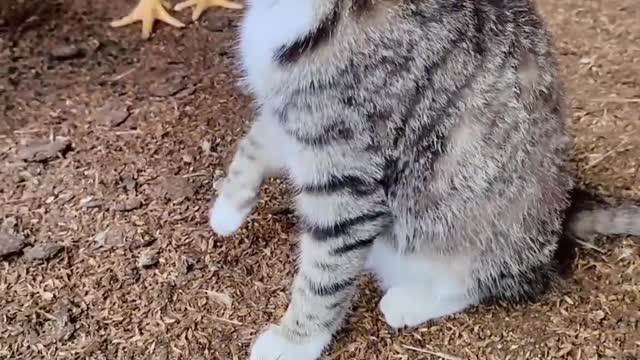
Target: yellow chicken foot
(201,5)
(148,11)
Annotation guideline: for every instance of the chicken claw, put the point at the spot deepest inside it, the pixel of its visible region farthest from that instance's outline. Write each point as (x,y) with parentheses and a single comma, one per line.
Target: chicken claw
(148,11)
(202,5)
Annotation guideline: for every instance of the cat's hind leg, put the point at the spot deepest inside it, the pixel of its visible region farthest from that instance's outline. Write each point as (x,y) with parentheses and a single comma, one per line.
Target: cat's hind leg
(418,288)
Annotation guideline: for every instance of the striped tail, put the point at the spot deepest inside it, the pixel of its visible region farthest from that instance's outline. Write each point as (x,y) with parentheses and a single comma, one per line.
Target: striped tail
(591,215)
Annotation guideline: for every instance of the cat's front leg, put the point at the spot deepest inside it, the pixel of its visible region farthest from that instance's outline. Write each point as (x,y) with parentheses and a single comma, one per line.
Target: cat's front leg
(340,228)
(257,157)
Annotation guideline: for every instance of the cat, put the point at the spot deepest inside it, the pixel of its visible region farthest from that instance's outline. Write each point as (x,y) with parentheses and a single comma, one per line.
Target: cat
(427,144)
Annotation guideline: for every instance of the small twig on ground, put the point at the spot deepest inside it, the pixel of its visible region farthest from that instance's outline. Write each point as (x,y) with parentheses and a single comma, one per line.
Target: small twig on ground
(233,322)
(124,74)
(617,100)
(588,245)
(127,132)
(607,154)
(434,353)
(202,173)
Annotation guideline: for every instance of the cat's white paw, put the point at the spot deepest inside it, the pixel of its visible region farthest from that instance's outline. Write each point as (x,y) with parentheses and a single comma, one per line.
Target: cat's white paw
(409,306)
(224,218)
(401,308)
(272,345)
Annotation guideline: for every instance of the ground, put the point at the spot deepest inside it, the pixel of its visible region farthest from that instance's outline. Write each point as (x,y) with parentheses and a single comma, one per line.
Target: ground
(118,261)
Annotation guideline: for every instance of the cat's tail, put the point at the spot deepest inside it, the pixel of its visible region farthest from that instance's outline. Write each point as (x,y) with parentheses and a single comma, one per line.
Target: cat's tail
(590,215)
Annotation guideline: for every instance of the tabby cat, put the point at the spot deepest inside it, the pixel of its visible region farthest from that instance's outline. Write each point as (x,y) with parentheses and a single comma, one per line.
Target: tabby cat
(427,143)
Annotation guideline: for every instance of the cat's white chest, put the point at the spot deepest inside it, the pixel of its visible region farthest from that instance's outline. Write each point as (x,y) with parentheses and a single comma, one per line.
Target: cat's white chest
(267,26)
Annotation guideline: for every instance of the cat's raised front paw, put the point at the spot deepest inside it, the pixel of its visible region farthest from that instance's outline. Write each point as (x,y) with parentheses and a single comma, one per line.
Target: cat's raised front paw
(224,218)
(272,345)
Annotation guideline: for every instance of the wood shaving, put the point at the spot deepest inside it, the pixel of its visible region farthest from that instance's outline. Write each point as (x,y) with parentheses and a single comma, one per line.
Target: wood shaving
(42,251)
(43,151)
(10,243)
(175,188)
(66,52)
(221,298)
(114,113)
(148,257)
(130,204)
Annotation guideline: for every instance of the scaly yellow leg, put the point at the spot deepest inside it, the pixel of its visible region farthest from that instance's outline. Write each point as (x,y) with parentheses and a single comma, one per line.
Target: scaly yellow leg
(201,5)
(148,11)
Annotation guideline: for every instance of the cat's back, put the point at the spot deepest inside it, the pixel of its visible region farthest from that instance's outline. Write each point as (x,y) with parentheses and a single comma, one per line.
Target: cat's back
(366,47)
(485,145)
(462,97)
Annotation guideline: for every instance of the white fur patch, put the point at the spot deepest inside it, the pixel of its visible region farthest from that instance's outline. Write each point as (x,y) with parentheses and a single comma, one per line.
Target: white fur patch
(224,218)
(267,26)
(414,306)
(271,345)
(418,288)
(446,275)
(400,309)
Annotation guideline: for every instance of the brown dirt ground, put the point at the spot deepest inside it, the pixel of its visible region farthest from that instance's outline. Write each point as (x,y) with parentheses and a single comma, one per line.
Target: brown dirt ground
(142,277)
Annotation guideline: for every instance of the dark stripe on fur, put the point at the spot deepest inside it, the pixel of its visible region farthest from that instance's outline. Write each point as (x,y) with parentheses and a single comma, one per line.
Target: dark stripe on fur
(451,104)
(394,170)
(329,324)
(354,246)
(327,136)
(327,267)
(336,304)
(361,7)
(289,54)
(418,97)
(355,184)
(330,289)
(301,334)
(342,227)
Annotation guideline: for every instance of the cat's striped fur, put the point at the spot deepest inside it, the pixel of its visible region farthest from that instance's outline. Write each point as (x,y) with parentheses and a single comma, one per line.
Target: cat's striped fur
(427,142)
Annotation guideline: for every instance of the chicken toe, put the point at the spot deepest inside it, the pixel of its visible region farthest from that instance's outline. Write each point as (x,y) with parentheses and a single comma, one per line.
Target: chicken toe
(148,11)
(201,5)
